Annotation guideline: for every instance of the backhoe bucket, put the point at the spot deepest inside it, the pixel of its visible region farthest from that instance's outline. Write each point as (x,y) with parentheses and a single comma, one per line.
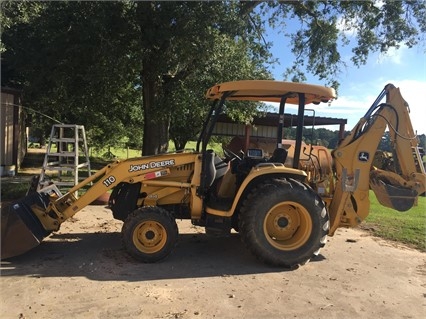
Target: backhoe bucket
(391,194)
(21,230)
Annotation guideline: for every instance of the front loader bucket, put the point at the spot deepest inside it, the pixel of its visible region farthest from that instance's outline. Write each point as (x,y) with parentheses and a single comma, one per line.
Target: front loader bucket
(21,230)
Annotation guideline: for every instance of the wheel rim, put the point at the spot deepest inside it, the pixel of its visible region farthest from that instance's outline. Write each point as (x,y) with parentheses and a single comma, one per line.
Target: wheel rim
(287,226)
(149,237)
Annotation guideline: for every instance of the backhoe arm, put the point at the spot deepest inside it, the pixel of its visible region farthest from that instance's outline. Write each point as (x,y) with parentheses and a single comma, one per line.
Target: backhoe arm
(397,189)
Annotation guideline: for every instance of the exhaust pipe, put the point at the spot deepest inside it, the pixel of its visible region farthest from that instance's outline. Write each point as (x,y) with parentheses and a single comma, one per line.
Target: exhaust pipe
(21,230)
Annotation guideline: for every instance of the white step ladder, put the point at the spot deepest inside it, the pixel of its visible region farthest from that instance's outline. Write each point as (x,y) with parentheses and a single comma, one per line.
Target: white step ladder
(67,144)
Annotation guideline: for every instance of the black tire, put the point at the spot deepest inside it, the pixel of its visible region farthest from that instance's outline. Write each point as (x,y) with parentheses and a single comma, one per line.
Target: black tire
(284,222)
(149,234)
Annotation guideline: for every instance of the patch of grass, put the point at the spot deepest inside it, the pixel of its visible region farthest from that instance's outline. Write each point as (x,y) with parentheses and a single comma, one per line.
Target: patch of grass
(105,155)
(407,227)
(216,147)
(114,153)
(13,190)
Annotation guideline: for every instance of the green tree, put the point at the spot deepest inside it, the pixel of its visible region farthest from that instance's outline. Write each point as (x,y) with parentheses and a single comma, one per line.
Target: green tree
(180,43)
(231,59)
(71,61)
(377,27)
(323,28)
(103,63)
(422,141)
(95,62)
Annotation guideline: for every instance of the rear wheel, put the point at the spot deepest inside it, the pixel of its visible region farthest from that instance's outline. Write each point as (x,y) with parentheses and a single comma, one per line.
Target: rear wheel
(149,234)
(284,222)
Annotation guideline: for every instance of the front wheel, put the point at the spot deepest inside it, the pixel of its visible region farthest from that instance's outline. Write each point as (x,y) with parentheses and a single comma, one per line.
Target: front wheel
(283,222)
(149,234)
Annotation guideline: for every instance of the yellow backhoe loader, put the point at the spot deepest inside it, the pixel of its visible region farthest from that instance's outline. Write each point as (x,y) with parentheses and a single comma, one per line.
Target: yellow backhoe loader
(284,206)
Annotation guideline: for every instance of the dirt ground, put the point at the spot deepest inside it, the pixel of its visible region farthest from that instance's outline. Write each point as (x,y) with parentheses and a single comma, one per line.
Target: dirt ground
(82,271)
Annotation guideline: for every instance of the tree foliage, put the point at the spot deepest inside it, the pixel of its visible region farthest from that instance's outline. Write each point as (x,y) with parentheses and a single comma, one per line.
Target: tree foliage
(325,27)
(197,40)
(71,61)
(231,59)
(130,68)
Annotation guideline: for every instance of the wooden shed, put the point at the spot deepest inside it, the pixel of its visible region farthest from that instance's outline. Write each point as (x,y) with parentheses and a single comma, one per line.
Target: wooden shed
(13,141)
(264,129)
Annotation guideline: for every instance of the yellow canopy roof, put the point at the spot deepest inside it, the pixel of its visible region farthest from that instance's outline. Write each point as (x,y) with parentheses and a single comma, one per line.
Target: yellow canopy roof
(271,91)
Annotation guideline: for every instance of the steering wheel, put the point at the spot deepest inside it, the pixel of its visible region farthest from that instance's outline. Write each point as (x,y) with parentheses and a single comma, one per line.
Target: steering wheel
(230,155)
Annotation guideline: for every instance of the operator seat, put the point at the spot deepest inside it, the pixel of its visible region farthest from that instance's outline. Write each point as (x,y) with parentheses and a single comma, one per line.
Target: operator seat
(214,168)
(279,156)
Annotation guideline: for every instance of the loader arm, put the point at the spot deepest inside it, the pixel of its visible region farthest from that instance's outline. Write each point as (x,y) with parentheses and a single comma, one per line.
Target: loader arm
(353,158)
(168,177)
(149,171)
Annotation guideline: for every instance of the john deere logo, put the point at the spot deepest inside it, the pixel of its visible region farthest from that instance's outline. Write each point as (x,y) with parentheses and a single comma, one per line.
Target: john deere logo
(363,156)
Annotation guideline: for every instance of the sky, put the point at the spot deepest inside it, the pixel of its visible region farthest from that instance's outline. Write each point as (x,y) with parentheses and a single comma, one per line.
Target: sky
(405,68)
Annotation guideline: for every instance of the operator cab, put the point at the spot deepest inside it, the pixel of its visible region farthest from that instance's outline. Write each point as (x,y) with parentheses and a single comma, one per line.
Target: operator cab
(240,164)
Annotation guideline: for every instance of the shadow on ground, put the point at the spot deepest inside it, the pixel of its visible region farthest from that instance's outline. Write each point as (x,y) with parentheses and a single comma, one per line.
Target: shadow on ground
(100,256)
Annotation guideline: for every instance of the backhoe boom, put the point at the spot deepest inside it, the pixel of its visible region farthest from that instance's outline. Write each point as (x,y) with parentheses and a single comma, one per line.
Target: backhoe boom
(353,160)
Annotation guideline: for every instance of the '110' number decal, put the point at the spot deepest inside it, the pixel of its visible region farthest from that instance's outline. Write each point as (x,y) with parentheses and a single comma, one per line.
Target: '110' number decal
(109,181)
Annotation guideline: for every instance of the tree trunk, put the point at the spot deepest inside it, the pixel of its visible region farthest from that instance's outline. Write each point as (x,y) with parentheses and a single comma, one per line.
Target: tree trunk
(156,126)
(179,144)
